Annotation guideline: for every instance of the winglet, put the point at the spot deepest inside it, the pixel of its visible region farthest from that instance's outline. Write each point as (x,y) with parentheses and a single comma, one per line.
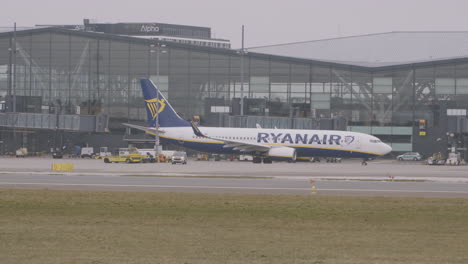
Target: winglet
(196,130)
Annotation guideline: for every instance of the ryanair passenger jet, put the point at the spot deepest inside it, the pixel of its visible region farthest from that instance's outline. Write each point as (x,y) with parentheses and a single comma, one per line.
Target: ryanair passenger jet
(264,144)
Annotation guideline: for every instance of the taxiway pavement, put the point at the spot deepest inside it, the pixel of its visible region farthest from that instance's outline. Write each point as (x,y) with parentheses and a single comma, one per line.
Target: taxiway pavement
(379,178)
(235,185)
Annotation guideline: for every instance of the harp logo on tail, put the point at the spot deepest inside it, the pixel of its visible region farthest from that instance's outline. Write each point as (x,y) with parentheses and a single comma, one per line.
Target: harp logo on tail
(156,106)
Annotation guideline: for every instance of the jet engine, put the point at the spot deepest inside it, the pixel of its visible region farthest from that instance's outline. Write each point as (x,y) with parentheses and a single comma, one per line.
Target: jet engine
(282,153)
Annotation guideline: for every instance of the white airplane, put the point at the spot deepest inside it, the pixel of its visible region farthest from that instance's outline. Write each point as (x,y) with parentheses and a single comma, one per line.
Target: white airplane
(264,144)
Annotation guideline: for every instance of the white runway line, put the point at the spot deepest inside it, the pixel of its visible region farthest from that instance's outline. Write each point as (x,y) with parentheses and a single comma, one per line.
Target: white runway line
(376,178)
(230,187)
(280,177)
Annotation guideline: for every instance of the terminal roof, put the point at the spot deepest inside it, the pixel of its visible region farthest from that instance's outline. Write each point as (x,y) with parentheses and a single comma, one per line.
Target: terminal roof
(377,50)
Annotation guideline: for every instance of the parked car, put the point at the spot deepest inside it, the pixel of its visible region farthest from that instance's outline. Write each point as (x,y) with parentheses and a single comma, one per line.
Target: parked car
(57,154)
(179,157)
(409,156)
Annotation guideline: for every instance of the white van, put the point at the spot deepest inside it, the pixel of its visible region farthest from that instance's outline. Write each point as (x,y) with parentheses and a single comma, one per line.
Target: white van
(245,157)
(179,157)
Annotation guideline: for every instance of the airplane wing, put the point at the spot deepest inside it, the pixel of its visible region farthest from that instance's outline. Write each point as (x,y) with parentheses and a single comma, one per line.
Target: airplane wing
(150,130)
(236,144)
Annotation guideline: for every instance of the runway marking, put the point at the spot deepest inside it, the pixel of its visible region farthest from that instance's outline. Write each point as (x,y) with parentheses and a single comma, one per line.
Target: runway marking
(383,178)
(229,187)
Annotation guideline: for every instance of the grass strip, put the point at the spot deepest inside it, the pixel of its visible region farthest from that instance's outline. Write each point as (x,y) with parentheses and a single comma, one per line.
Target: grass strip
(44,226)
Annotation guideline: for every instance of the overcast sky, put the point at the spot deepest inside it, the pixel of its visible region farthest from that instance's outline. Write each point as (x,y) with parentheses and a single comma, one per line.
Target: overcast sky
(267,21)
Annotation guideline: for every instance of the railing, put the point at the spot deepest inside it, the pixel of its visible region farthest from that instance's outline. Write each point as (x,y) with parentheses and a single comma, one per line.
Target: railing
(78,123)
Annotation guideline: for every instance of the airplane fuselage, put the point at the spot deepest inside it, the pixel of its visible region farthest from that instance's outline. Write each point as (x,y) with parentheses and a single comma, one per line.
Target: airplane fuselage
(308,143)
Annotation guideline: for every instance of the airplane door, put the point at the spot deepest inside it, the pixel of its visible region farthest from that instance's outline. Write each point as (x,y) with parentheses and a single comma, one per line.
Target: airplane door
(358,143)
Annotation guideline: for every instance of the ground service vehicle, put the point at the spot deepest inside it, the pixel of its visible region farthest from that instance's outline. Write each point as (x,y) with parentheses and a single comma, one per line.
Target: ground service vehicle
(453,159)
(409,156)
(148,157)
(179,157)
(127,155)
(202,156)
(436,159)
(245,157)
(87,152)
(163,156)
(103,152)
(21,152)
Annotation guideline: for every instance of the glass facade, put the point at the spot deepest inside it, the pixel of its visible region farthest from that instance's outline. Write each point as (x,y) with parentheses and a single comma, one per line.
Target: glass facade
(83,73)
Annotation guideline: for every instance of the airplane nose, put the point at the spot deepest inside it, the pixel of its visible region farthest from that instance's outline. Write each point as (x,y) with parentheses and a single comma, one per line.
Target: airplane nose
(386,149)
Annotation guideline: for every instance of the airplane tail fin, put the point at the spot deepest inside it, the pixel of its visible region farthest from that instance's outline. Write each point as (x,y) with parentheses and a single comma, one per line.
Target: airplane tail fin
(158,108)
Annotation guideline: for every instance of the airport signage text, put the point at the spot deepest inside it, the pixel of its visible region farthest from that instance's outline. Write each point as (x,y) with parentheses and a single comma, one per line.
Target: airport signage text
(149,28)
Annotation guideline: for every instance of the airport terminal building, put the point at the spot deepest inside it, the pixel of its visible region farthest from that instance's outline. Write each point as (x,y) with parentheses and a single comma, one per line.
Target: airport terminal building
(408,88)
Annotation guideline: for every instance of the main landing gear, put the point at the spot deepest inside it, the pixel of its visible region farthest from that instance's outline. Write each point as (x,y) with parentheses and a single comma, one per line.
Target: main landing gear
(259,159)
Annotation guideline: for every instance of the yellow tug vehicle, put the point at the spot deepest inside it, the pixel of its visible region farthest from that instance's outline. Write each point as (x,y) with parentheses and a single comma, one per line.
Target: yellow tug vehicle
(127,155)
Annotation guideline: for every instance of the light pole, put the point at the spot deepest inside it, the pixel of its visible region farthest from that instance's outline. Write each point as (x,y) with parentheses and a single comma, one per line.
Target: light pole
(12,89)
(242,52)
(14,68)
(157,48)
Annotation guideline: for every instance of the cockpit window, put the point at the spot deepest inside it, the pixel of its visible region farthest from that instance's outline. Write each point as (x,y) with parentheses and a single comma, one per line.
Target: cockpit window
(375,141)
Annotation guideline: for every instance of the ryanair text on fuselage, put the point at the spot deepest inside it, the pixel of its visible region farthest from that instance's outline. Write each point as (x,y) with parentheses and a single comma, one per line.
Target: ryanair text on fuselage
(280,138)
